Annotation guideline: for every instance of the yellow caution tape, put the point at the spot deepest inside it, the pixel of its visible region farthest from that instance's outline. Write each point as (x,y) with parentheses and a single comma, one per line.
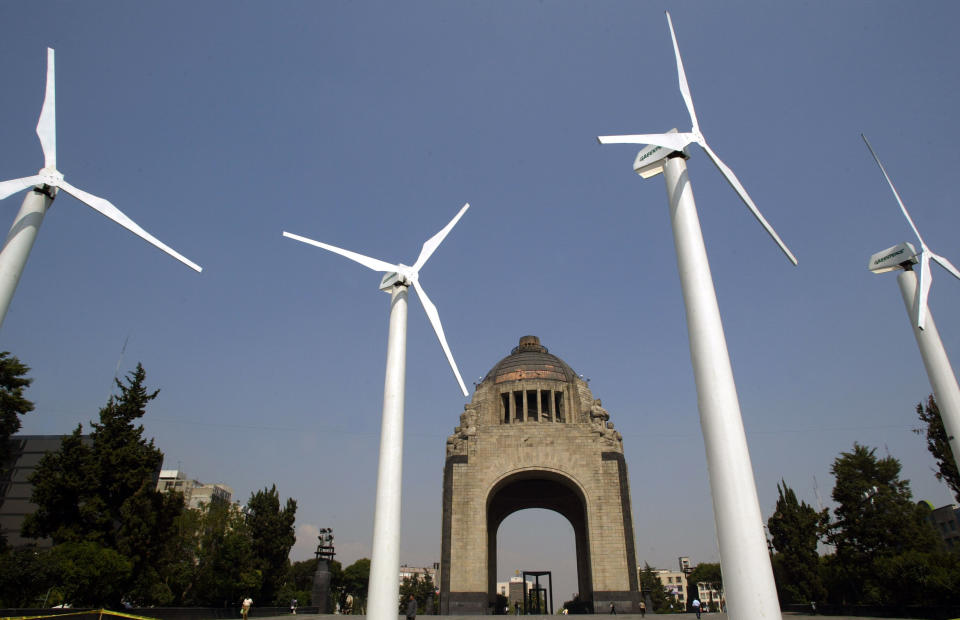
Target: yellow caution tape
(101,612)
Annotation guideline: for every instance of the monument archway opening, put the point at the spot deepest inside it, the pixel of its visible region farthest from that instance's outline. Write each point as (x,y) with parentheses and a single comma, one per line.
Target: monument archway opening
(540,491)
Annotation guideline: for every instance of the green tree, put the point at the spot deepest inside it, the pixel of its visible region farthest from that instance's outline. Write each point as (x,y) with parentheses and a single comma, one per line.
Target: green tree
(273,535)
(938,445)
(876,521)
(12,405)
(180,556)
(356,579)
(13,382)
(704,572)
(652,590)
(89,575)
(422,590)
(298,583)
(62,484)
(225,566)
(23,578)
(796,529)
(336,584)
(104,492)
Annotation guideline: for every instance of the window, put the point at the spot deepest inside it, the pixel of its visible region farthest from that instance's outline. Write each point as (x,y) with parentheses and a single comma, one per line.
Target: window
(518,406)
(505,400)
(533,409)
(558,404)
(545,408)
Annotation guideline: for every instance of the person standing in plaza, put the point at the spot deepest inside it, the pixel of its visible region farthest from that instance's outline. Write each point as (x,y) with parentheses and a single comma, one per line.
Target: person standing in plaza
(245,608)
(696,606)
(411,611)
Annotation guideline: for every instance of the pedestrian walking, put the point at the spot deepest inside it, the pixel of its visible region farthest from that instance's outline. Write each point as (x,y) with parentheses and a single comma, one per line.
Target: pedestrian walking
(411,611)
(643,609)
(696,606)
(245,608)
(613,609)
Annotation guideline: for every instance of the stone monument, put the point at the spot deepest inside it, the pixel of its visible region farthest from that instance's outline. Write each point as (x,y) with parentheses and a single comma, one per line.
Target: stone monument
(320,593)
(533,436)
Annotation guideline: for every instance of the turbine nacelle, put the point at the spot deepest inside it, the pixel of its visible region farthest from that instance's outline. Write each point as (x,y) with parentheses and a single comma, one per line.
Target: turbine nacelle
(652,158)
(920,307)
(891,259)
(404,276)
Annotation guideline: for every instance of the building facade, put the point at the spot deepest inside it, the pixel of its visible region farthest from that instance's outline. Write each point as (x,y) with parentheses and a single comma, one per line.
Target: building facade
(419,572)
(946,520)
(15,485)
(195,493)
(674,583)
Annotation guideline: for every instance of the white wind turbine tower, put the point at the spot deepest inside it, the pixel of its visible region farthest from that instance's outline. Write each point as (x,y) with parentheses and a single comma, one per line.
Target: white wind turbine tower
(935,360)
(385,563)
(747,574)
(24,231)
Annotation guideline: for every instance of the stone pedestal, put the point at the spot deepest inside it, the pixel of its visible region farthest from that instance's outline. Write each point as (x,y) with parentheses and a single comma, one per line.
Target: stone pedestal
(321,587)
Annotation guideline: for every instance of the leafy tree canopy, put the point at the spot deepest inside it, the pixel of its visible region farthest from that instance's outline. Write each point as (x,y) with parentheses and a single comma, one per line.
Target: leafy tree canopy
(273,534)
(91,575)
(652,590)
(225,569)
(876,522)
(356,579)
(796,529)
(102,491)
(13,382)
(421,587)
(938,445)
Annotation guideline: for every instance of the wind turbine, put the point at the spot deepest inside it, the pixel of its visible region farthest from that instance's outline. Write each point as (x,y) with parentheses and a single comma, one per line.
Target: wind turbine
(935,360)
(748,577)
(385,563)
(45,184)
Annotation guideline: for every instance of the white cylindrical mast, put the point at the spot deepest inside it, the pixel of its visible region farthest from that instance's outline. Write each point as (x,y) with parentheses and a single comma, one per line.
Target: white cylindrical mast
(19,242)
(748,582)
(384,587)
(939,371)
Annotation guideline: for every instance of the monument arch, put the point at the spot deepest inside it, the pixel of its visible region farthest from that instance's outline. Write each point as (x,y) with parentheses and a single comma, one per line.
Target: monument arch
(533,436)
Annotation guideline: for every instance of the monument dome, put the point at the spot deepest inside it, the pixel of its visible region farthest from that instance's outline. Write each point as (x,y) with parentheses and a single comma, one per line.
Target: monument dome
(530,360)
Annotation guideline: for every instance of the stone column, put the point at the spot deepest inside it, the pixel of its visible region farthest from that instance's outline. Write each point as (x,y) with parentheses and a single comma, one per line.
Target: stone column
(321,587)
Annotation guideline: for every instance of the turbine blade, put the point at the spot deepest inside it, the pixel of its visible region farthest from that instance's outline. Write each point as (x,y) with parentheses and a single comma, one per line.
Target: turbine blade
(47,125)
(896,194)
(675,141)
(433,242)
(366,261)
(684,87)
(107,209)
(946,264)
(738,187)
(920,301)
(434,317)
(8,188)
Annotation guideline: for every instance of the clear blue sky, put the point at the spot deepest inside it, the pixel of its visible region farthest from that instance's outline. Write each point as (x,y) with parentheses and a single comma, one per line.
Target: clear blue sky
(217,125)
